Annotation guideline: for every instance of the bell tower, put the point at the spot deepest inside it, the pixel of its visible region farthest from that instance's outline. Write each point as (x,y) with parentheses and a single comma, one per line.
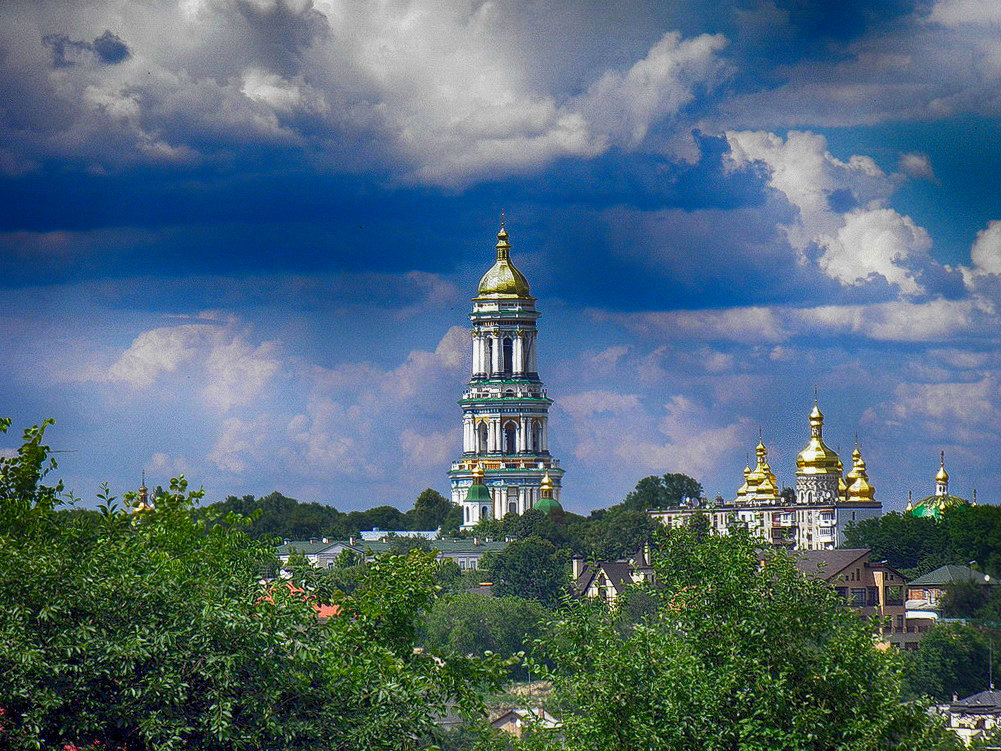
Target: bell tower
(505,409)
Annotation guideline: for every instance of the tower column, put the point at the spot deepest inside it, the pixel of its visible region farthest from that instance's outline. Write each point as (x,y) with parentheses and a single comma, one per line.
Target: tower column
(498,346)
(519,354)
(479,348)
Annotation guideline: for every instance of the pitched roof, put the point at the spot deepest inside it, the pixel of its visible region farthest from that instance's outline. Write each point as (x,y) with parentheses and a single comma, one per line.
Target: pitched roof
(986,702)
(827,563)
(305,547)
(618,573)
(950,574)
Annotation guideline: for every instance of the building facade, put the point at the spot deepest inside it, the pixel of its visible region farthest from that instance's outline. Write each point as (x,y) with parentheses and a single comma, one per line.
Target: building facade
(826,500)
(505,408)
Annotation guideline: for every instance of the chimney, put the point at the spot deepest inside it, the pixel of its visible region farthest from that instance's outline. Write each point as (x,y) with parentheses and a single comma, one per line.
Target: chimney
(476,541)
(351,541)
(326,540)
(578,566)
(313,540)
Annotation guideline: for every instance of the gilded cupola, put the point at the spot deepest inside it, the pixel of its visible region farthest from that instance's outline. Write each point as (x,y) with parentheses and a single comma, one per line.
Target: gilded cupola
(859,488)
(760,482)
(817,458)
(503,279)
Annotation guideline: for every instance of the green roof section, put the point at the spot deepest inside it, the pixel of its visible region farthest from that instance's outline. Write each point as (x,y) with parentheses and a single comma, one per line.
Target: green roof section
(932,506)
(547,505)
(478,493)
(449,547)
(951,574)
(304,547)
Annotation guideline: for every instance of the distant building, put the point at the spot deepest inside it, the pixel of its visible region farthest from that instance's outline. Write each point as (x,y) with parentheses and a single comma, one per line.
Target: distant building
(871,589)
(933,506)
(609,579)
(514,721)
(975,717)
(826,499)
(467,554)
(925,595)
(382,534)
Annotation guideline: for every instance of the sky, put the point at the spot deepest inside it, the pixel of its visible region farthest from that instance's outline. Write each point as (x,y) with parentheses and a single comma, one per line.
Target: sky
(239,238)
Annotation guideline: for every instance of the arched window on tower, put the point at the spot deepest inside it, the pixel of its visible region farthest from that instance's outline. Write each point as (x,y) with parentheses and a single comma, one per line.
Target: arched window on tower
(484,512)
(488,366)
(512,500)
(481,438)
(536,435)
(526,354)
(508,356)
(510,438)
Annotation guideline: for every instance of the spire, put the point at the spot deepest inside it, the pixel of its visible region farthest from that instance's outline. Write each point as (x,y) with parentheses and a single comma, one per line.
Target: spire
(942,477)
(503,279)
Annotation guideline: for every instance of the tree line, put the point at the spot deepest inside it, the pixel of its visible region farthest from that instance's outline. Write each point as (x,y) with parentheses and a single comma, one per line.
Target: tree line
(151,629)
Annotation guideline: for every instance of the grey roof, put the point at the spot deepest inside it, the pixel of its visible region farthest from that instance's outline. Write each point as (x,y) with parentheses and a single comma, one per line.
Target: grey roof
(619,573)
(986,702)
(306,548)
(950,574)
(827,563)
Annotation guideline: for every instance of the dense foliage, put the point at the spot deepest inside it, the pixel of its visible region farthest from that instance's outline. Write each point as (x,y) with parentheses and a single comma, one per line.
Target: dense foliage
(151,630)
(664,491)
(275,515)
(532,568)
(918,545)
(741,652)
(953,659)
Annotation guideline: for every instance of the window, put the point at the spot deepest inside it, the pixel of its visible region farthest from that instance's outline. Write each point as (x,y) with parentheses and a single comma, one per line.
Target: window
(462,563)
(894,594)
(485,512)
(858,597)
(536,435)
(842,591)
(508,353)
(490,355)
(873,596)
(481,438)
(512,507)
(472,563)
(510,438)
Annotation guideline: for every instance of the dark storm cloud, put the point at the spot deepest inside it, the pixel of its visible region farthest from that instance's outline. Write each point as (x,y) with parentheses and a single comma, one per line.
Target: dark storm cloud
(107,48)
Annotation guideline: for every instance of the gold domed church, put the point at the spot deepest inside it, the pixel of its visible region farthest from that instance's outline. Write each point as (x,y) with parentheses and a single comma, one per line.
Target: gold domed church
(505,467)
(826,499)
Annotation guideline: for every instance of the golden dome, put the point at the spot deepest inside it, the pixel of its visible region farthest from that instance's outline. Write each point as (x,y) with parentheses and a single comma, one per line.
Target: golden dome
(942,475)
(760,482)
(547,486)
(477,474)
(503,279)
(817,458)
(859,488)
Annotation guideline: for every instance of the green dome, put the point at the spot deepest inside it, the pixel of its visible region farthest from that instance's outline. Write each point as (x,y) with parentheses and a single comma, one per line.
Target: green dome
(478,493)
(934,505)
(547,505)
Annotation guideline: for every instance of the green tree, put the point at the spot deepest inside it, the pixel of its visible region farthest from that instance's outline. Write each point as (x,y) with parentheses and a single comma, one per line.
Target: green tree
(664,491)
(472,624)
(151,630)
(909,543)
(742,652)
(613,534)
(533,568)
(953,659)
(430,510)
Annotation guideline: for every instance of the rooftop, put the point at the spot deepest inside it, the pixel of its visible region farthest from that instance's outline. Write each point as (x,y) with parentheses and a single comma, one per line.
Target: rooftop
(951,574)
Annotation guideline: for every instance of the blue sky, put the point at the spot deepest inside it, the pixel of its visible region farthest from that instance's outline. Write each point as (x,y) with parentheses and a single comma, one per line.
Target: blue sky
(238,238)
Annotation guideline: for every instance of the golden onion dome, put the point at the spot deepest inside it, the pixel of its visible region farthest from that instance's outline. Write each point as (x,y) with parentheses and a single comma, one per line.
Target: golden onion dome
(478,474)
(817,458)
(942,475)
(546,486)
(503,279)
(860,489)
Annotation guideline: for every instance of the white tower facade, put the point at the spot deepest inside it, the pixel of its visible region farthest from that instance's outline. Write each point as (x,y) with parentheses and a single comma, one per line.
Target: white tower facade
(505,409)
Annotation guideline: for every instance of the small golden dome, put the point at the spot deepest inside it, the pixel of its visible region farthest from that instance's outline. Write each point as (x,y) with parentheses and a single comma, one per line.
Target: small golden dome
(503,279)
(859,488)
(477,474)
(942,475)
(547,486)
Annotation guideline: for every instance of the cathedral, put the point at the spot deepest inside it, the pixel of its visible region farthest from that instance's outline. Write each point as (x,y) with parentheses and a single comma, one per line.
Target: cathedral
(826,498)
(933,506)
(505,467)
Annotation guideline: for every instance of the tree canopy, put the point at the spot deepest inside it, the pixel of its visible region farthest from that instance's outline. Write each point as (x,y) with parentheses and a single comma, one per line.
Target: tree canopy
(152,630)
(664,491)
(533,568)
(741,651)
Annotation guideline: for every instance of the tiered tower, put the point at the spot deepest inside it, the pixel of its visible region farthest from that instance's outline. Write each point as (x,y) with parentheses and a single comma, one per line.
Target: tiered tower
(505,410)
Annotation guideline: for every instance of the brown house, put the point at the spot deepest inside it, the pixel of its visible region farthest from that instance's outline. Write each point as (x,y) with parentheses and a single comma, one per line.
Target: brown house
(872,589)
